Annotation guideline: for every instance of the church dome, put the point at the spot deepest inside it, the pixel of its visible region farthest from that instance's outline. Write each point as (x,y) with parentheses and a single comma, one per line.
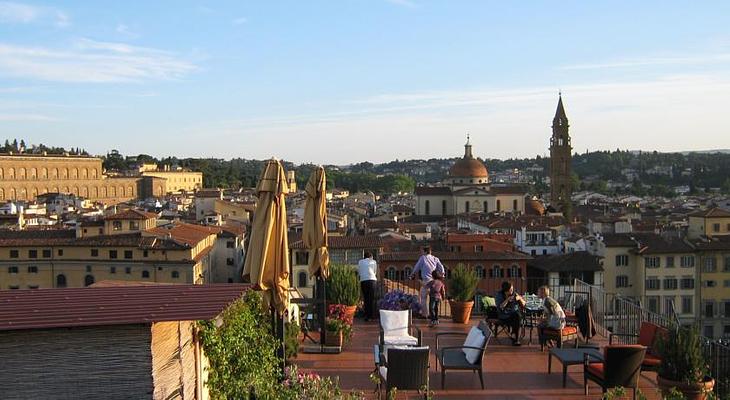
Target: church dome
(468,167)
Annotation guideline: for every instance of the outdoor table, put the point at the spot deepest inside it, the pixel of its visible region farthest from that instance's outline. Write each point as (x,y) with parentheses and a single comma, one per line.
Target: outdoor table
(572,357)
(532,317)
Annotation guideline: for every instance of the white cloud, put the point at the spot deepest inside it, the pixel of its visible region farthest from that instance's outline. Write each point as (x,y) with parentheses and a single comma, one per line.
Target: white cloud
(669,113)
(11,12)
(124,30)
(92,62)
(240,21)
(697,59)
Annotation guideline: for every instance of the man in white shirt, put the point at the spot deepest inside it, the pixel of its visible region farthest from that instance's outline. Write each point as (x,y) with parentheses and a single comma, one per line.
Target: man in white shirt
(367,268)
(424,270)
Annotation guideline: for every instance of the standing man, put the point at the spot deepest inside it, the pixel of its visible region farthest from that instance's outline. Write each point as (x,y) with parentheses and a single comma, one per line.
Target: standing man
(425,266)
(367,268)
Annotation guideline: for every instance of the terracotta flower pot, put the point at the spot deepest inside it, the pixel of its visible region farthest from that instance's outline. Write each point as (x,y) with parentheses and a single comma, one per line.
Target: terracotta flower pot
(694,391)
(350,312)
(461,310)
(333,338)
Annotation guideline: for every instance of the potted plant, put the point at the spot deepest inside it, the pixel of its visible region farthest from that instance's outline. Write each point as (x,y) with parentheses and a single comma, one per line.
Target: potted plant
(683,365)
(338,325)
(462,287)
(343,287)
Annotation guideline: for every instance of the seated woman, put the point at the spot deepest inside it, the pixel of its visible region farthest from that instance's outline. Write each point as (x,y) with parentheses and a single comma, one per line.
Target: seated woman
(554,316)
(509,305)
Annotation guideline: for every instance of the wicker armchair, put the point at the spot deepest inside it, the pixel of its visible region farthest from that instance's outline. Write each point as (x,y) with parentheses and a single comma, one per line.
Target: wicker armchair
(405,369)
(454,357)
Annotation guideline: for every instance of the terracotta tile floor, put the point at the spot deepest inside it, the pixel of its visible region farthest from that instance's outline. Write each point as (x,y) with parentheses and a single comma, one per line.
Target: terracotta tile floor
(509,372)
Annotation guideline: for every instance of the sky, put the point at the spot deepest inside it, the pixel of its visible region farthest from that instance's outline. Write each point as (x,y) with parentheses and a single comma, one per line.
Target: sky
(345,81)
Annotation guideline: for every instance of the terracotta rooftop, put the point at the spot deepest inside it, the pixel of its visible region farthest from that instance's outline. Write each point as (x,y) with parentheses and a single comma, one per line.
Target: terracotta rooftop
(131,214)
(35,238)
(189,234)
(121,305)
(576,261)
(714,212)
(433,191)
(455,256)
(346,242)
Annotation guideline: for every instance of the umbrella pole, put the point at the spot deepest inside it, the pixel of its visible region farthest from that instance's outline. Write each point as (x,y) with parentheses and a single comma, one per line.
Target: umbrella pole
(322,305)
(277,327)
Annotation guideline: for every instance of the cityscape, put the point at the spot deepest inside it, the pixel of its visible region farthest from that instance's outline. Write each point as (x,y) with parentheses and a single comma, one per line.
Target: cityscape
(248,259)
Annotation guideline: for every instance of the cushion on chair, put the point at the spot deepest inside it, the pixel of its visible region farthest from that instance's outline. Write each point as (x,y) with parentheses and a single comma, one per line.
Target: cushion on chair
(595,369)
(394,323)
(568,330)
(475,338)
(647,333)
(651,360)
(383,372)
(407,340)
(660,334)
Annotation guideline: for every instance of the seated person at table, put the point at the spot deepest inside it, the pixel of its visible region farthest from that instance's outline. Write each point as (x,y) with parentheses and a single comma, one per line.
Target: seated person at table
(509,304)
(554,316)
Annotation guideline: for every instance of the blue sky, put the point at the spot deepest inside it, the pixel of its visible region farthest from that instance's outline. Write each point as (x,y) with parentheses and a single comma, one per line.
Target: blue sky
(349,81)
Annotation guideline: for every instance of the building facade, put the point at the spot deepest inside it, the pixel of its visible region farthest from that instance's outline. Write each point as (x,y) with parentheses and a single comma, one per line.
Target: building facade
(560,158)
(467,189)
(25,176)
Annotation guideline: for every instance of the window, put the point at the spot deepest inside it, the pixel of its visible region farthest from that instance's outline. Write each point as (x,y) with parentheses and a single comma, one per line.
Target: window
(302,257)
(709,309)
(670,262)
(60,252)
(687,283)
(670,283)
(709,284)
(716,227)
(709,264)
(117,225)
(133,225)
(652,283)
(13,287)
(302,279)
(726,309)
(88,280)
(726,283)
(14,253)
(32,286)
(499,206)
(516,272)
(622,281)
(428,207)
(12,270)
(726,267)
(443,207)
(33,253)
(61,281)
(47,253)
(652,262)
(466,206)
(390,274)
(145,253)
(514,205)
(726,328)
(175,274)
(229,261)
(95,252)
(480,271)
(496,272)
(478,249)
(145,274)
(230,244)
(668,305)
(112,254)
(652,303)
(708,331)
(112,270)
(687,305)
(32,269)
(127,270)
(128,254)
(622,260)
(687,261)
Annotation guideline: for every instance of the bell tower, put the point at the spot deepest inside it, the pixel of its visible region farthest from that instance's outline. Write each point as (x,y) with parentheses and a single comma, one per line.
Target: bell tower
(560,158)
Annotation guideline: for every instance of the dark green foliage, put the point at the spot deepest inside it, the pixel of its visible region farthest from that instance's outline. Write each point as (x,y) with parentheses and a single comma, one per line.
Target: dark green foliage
(682,356)
(462,285)
(241,351)
(343,285)
(291,340)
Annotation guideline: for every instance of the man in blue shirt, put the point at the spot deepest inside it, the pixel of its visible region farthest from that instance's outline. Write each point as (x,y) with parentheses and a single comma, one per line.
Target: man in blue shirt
(424,269)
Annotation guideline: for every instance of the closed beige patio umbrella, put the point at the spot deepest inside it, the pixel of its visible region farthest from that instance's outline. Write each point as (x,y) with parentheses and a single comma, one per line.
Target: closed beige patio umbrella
(267,259)
(315,224)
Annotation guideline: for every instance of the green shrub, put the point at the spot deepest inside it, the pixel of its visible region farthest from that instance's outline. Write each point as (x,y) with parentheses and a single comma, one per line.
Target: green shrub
(682,356)
(343,285)
(462,286)
(241,351)
(291,340)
